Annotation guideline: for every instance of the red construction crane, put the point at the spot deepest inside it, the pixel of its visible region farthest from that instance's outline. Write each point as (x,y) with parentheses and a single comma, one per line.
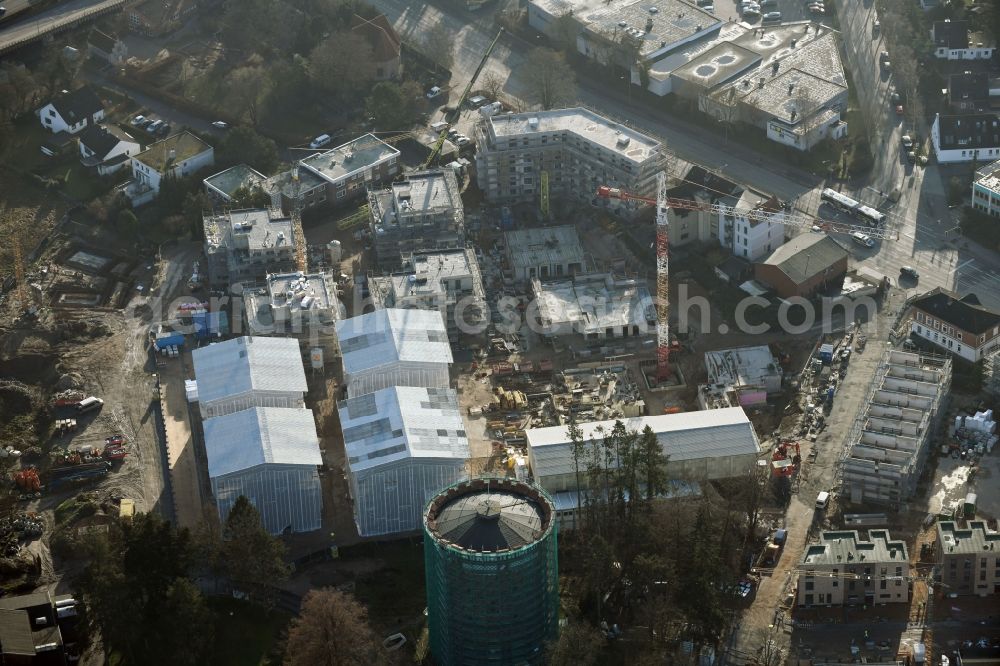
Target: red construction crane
(663,203)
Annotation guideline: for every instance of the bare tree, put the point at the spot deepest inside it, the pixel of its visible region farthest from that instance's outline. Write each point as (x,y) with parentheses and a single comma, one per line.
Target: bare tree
(492,84)
(549,79)
(342,63)
(248,86)
(438,44)
(332,630)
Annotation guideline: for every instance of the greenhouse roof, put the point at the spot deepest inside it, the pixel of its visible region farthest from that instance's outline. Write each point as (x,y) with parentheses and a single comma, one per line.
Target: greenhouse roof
(402,422)
(386,336)
(247,364)
(258,436)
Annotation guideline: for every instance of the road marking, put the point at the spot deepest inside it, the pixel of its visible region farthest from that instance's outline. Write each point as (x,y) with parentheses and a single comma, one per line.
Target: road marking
(962,265)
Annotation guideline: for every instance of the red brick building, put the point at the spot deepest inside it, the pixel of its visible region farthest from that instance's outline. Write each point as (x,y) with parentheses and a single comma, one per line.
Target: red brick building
(804,265)
(960,325)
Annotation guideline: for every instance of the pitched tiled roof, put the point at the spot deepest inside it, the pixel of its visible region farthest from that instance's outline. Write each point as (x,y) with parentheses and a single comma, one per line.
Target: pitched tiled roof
(380,34)
(806,255)
(101,140)
(102,40)
(951,34)
(965,314)
(74,106)
(969,132)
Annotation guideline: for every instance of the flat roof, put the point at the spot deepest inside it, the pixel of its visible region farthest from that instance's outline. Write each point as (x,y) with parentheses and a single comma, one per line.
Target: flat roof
(284,182)
(302,291)
(544,246)
(175,148)
(847,547)
(793,95)
(401,422)
(582,123)
(672,21)
(428,272)
(718,64)
(15,633)
(387,336)
(353,156)
(248,363)
(714,433)
(228,181)
(975,538)
(594,302)
(669,62)
(744,366)
(252,229)
(426,193)
(261,436)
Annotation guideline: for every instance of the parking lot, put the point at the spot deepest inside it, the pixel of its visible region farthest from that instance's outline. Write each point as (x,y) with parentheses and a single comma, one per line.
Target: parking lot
(791,11)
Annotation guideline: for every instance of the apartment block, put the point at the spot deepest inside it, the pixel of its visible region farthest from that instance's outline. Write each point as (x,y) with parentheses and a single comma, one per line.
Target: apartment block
(843,569)
(545,252)
(958,324)
(986,189)
(346,170)
(756,228)
(448,281)
(575,149)
(247,245)
(891,436)
(968,558)
(422,212)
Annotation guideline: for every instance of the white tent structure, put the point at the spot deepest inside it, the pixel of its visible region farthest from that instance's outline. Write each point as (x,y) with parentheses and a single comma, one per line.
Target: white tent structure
(403,445)
(713,444)
(271,456)
(249,372)
(394,347)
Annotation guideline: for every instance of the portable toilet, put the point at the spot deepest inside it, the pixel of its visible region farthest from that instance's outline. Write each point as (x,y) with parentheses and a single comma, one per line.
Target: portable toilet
(969,508)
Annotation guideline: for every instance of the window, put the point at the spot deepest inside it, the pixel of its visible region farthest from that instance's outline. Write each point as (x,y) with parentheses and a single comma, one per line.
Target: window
(809,586)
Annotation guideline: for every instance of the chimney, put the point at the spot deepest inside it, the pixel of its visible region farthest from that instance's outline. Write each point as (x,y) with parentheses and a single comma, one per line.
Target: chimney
(649,24)
(793,43)
(791,86)
(794,113)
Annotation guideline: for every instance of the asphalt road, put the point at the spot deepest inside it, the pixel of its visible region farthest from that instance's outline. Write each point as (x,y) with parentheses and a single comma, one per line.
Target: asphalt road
(49,20)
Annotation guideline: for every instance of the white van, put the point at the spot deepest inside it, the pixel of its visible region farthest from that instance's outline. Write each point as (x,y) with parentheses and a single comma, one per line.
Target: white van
(822,500)
(861,239)
(490,109)
(477,101)
(320,141)
(89,404)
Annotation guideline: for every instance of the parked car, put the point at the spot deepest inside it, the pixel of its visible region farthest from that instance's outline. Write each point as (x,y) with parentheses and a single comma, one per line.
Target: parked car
(138,121)
(463,140)
(220,124)
(439,127)
(163,130)
(863,240)
(433,92)
(816,9)
(910,272)
(320,141)
(895,98)
(876,27)
(899,109)
(911,156)
(154,126)
(907,141)
(771,17)
(3,11)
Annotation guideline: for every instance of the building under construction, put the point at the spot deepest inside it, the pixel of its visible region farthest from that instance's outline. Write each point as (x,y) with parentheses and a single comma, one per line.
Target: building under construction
(246,245)
(490,558)
(422,212)
(891,436)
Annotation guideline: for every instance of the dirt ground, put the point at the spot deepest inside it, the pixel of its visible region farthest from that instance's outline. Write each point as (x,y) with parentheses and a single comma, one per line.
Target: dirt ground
(181,461)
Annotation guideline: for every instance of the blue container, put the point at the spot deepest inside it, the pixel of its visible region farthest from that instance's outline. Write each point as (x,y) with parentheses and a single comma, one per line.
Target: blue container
(169,340)
(506,218)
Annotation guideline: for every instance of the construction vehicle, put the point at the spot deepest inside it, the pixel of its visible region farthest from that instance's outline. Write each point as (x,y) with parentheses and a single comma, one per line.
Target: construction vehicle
(772,551)
(783,463)
(27,480)
(511,400)
(663,203)
(452,116)
(115,452)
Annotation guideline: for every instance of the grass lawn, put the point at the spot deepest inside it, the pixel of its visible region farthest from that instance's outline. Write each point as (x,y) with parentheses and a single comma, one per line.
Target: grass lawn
(244,634)
(25,155)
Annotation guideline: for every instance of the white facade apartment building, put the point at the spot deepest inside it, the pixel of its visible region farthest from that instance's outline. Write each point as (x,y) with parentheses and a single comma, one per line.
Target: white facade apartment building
(756,229)
(249,372)
(959,325)
(953,40)
(986,189)
(966,138)
(179,155)
(577,149)
(843,569)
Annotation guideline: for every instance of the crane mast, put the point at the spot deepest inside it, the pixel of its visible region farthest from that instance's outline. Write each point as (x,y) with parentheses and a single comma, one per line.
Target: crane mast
(663,372)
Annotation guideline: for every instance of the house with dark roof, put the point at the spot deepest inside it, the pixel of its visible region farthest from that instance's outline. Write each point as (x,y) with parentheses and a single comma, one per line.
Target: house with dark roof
(37,629)
(967,137)
(953,40)
(106,148)
(960,325)
(70,112)
(690,226)
(969,91)
(385,43)
(804,265)
(108,48)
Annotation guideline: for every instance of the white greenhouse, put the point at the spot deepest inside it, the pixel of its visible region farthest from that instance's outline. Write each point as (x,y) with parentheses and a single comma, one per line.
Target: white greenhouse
(394,348)
(403,445)
(249,372)
(271,456)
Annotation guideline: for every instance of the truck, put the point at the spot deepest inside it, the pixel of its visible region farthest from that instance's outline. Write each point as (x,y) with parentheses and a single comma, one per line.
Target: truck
(82,472)
(772,551)
(167,340)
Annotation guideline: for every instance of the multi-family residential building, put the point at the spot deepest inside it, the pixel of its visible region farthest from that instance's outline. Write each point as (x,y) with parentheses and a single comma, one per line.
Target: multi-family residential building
(71,111)
(575,149)
(448,281)
(303,305)
(891,436)
(106,149)
(349,170)
(246,245)
(546,252)
(179,155)
(959,325)
(986,189)
(422,212)
(756,228)
(221,186)
(955,40)
(968,558)
(966,138)
(843,569)
(969,92)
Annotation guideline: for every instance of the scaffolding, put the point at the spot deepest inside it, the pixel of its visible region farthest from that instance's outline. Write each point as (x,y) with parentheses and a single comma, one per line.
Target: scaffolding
(497,605)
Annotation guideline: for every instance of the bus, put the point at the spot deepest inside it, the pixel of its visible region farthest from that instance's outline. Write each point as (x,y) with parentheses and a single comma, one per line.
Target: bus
(839,200)
(869,215)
